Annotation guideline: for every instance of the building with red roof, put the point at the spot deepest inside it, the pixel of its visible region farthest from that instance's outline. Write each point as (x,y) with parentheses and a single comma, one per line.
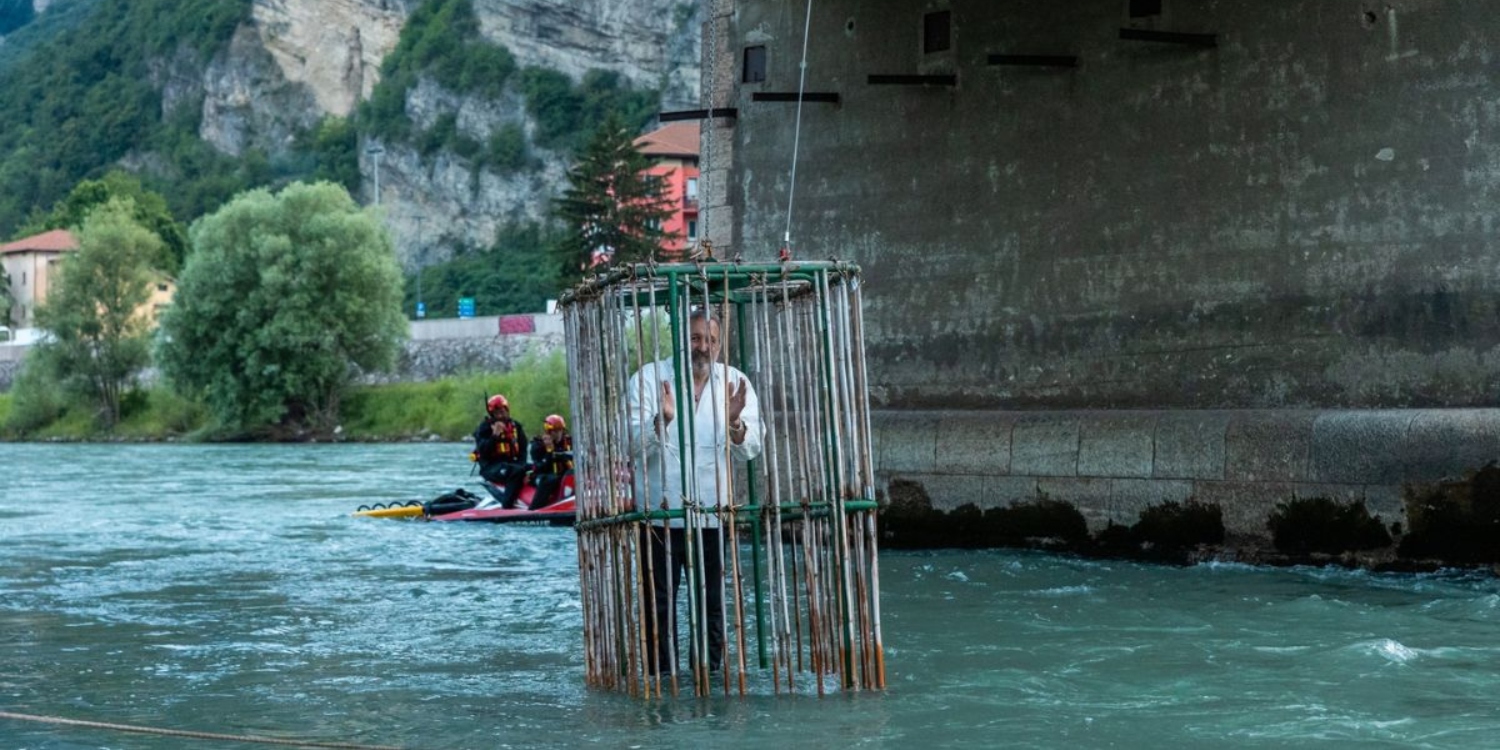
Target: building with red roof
(30,263)
(673,151)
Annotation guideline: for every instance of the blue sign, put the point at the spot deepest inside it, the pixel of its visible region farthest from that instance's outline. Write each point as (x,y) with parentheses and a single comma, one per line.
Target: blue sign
(465,307)
(421,309)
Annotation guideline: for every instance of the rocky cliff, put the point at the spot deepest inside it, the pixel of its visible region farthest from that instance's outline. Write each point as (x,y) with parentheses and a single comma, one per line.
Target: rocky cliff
(299,60)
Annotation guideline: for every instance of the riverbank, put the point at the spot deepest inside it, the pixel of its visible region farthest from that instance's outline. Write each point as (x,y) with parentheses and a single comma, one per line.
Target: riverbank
(445,408)
(934,500)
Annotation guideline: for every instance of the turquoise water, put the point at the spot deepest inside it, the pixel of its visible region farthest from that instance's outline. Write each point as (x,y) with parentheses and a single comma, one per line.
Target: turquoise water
(226,589)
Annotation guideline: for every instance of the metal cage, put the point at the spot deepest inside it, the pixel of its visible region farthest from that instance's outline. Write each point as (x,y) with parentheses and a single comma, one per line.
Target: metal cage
(796,521)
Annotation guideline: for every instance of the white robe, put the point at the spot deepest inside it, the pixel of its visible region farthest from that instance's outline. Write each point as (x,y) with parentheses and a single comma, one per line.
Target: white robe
(657,457)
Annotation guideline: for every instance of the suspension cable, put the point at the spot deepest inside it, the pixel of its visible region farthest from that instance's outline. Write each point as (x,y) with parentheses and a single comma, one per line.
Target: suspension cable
(791,192)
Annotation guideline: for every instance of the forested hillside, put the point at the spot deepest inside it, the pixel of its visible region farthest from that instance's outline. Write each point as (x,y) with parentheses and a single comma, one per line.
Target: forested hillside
(82,93)
(92,85)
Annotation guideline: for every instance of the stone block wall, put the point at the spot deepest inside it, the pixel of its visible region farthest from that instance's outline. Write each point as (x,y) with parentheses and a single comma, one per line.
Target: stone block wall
(1114,464)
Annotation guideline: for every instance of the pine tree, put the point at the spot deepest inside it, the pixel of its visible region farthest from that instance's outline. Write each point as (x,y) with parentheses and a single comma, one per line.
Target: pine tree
(612,210)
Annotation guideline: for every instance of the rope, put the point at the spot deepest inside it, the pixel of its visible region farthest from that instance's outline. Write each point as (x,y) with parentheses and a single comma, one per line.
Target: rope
(791,193)
(186,733)
(709,124)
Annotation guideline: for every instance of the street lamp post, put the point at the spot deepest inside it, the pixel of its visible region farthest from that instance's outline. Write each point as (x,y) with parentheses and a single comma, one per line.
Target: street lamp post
(421,308)
(375,150)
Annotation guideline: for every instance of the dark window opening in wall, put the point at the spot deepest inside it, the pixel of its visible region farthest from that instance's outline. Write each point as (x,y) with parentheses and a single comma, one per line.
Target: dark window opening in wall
(755,64)
(1145,8)
(937,32)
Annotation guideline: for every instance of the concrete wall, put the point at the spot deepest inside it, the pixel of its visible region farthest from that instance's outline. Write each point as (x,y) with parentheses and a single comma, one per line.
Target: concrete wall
(1304,216)
(1114,464)
(1233,273)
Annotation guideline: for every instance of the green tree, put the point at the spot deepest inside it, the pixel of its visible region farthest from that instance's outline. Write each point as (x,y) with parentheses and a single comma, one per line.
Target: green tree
(14,14)
(511,276)
(94,311)
(334,144)
(79,94)
(286,297)
(611,204)
(150,212)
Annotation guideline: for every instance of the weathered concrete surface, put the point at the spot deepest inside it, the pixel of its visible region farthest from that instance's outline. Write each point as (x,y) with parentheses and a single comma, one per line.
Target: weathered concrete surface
(1304,216)
(1113,465)
(1237,274)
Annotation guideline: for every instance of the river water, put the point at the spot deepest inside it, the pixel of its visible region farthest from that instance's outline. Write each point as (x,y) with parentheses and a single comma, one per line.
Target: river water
(228,590)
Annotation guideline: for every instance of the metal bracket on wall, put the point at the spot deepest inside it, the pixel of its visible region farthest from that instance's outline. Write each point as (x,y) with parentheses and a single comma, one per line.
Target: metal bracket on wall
(823,97)
(1046,61)
(698,114)
(946,79)
(1170,37)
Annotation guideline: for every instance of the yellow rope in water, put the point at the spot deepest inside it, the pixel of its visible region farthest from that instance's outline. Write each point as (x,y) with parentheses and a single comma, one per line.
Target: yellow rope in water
(186,733)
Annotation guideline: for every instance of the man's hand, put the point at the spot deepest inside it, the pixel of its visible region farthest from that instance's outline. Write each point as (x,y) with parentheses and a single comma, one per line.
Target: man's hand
(497,429)
(666,406)
(737,394)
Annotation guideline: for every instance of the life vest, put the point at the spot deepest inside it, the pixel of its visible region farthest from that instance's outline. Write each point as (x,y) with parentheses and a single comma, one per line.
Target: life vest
(505,443)
(556,464)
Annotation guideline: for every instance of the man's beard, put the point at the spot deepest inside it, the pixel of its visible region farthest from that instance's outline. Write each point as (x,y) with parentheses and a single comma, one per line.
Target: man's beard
(701,363)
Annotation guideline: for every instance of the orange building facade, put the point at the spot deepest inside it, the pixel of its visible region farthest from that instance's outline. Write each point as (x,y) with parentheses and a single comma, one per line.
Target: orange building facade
(31,263)
(673,151)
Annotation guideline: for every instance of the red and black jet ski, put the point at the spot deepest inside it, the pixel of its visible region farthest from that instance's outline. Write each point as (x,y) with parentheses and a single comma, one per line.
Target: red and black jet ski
(560,512)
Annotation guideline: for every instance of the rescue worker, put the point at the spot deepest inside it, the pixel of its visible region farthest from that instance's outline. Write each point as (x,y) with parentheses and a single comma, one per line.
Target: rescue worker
(551,459)
(499,447)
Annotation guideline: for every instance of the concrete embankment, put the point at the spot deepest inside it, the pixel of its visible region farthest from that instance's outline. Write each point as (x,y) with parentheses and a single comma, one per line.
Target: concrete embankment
(1114,465)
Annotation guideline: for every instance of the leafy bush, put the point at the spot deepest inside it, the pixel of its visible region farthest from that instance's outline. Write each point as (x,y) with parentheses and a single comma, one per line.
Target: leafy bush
(334,145)
(37,398)
(1040,519)
(160,412)
(269,333)
(1322,525)
(451,408)
(506,150)
(565,114)
(908,520)
(1174,527)
(1456,522)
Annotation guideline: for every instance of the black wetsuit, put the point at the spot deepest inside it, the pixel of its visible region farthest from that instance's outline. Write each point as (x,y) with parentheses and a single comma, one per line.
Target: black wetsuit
(548,468)
(502,458)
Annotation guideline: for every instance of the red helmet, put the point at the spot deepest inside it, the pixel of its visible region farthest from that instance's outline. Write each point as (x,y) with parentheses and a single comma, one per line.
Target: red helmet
(554,422)
(496,401)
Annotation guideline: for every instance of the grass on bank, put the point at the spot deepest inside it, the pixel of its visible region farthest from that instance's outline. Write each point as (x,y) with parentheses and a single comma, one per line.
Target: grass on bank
(450,408)
(446,409)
